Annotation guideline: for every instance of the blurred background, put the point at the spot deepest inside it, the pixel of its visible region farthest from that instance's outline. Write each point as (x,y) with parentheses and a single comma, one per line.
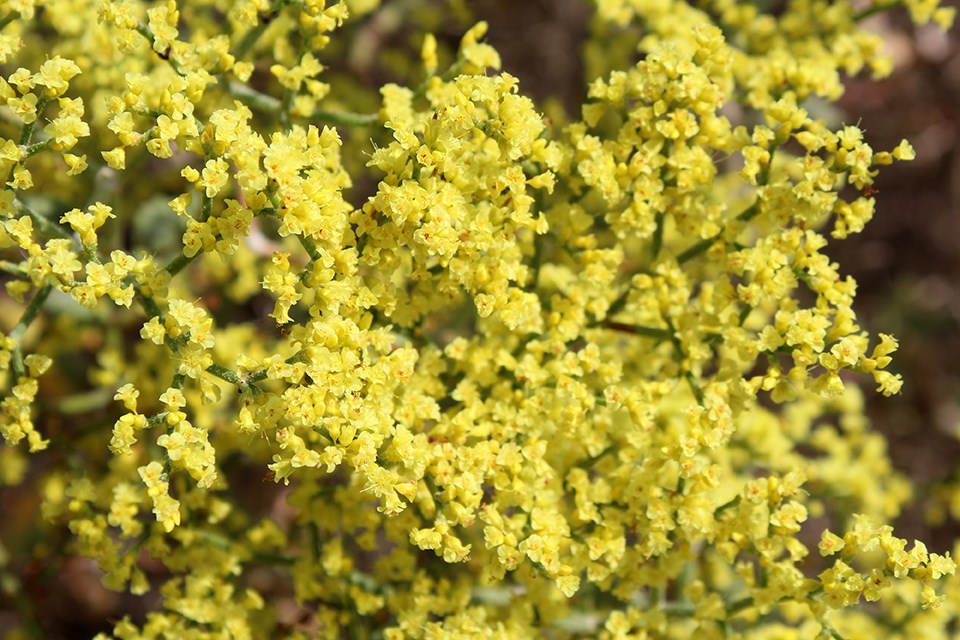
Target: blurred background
(907,261)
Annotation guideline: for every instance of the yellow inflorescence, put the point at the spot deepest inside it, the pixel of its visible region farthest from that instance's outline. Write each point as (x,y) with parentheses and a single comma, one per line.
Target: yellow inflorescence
(525,379)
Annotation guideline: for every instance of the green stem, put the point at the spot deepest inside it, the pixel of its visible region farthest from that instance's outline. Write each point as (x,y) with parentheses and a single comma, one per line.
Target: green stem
(617,305)
(875,9)
(157,419)
(744,216)
(345,118)
(638,330)
(592,460)
(311,247)
(261,375)
(286,107)
(13,269)
(447,76)
(749,213)
(37,147)
(167,55)
(657,241)
(694,386)
(29,315)
(536,262)
(231,376)
(729,504)
(26,132)
(251,37)
(740,605)
(206,207)
(84,402)
(179,263)
(31,312)
(253,98)
(153,309)
(42,223)
(676,610)
(697,249)
(149,304)
(833,632)
(7,19)
(264,103)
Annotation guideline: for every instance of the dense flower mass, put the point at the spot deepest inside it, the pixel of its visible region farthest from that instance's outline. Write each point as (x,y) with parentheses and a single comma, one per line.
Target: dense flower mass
(516,377)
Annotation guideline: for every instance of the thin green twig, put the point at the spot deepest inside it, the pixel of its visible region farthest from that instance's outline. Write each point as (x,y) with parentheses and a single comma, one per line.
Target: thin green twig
(42,223)
(7,19)
(638,330)
(37,147)
(167,55)
(875,9)
(250,37)
(29,315)
(13,269)
(310,247)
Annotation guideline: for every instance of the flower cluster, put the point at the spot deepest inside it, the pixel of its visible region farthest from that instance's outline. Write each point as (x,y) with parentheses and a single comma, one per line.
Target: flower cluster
(593,376)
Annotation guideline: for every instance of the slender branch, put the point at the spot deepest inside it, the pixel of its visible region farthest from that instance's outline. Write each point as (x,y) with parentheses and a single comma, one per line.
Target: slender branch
(749,213)
(250,37)
(149,304)
(37,147)
(264,103)
(657,241)
(286,108)
(447,76)
(13,269)
(206,207)
(229,375)
(638,330)
(698,248)
(740,605)
(536,262)
(42,223)
(833,632)
(179,263)
(345,118)
(254,99)
(619,303)
(694,386)
(29,315)
(311,247)
(744,216)
(153,309)
(26,132)
(145,31)
(85,402)
(31,312)
(875,9)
